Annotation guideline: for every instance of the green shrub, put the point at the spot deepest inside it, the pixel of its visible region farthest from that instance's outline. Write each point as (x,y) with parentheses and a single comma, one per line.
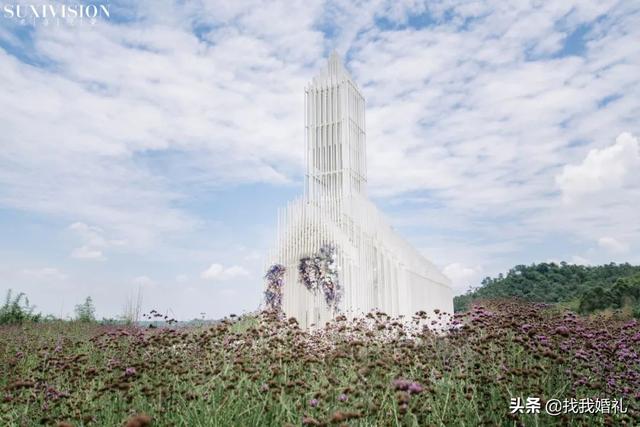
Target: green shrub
(17,310)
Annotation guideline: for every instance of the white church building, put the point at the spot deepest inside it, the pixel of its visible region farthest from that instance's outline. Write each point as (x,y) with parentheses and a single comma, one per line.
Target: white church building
(335,253)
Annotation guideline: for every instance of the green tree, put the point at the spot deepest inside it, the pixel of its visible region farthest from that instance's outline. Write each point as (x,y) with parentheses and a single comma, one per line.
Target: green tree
(624,292)
(85,312)
(594,299)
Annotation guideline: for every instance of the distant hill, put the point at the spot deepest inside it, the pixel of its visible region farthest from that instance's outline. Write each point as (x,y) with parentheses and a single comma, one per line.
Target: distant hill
(582,288)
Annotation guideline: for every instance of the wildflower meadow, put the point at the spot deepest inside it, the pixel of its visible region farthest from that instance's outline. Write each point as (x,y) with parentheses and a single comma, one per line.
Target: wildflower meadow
(431,370)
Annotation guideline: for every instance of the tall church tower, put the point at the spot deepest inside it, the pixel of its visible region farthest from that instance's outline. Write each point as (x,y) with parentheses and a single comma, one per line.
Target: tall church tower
(335,252)
(335,134)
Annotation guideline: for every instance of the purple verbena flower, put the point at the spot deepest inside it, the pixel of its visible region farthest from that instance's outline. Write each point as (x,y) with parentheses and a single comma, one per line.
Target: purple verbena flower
(401,384)
(415,388)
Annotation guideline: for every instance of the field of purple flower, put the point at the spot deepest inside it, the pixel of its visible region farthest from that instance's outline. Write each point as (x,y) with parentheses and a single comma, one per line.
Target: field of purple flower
(375,371)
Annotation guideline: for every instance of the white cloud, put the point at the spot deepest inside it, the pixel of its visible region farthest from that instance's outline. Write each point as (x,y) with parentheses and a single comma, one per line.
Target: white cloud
(219,272)
(46,273)
(462,276)
(578,260)
(613,245)
(92,234)
(86,252)
(603,170)
(94,242)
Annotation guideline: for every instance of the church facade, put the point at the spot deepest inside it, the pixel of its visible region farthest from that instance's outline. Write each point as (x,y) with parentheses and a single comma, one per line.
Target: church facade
(335,252)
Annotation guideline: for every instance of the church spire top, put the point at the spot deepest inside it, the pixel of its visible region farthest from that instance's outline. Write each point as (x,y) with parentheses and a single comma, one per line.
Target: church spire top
(334,64)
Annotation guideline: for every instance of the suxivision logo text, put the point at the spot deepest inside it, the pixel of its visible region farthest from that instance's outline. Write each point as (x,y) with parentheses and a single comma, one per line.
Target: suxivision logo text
(54,12)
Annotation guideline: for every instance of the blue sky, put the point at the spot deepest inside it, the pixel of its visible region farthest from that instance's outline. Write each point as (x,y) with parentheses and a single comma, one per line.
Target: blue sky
(151,150)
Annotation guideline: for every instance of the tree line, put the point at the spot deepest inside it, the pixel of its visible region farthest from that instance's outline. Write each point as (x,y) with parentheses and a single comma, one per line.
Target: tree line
(17,309)
(582,288)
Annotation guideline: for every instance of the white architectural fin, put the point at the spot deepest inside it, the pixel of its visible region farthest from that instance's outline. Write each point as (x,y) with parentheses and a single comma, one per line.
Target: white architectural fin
(335,64)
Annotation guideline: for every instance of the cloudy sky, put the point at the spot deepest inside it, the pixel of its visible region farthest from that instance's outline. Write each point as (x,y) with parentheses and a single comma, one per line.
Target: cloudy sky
(152,149)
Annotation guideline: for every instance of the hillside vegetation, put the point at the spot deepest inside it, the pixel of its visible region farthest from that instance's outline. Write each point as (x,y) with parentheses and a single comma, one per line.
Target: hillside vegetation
(582,288)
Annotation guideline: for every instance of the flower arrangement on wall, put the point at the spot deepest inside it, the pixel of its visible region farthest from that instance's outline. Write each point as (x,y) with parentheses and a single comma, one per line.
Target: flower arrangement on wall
(273,293)
(319,272)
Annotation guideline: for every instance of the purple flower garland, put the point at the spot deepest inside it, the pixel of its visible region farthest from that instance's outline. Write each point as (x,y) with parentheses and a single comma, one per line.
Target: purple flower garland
(320,272)
(273,293)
